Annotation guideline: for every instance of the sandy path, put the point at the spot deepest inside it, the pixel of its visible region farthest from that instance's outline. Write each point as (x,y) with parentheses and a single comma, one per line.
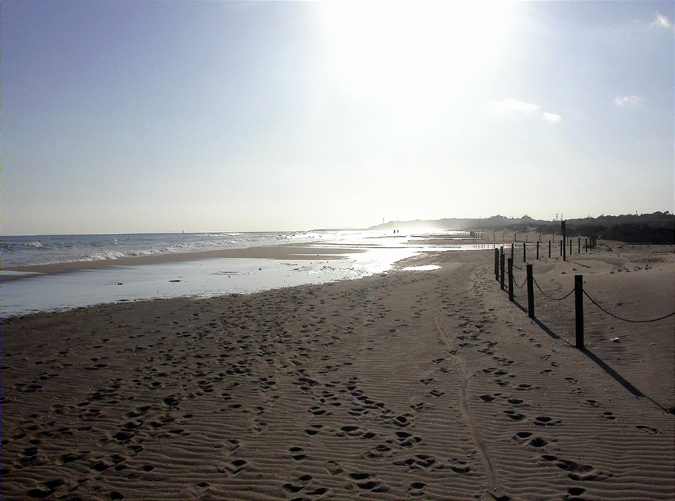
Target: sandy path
(424,385)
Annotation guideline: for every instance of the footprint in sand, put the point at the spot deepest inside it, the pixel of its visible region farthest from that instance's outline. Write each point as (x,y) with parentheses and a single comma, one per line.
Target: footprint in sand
(51,486)
(298,485)
(379,451)
(236,466)
(406,439)
(522,435)
(576,491)
(297,453)
(418,461)
(420,406)
(537,442)
(515,415)
(403,420)
(334,468)
(416,489)
(365,482)
(546,421)
(577,471)
(354,431)
(459,466)
(313,429)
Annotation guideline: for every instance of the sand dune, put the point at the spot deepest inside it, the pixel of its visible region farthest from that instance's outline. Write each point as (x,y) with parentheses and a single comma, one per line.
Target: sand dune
(422,385)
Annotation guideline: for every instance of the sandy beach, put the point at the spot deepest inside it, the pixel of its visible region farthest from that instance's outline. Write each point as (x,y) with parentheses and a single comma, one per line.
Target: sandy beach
(404,385)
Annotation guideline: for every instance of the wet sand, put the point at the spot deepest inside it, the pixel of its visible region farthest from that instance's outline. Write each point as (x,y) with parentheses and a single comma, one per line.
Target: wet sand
(427,385)
(290,252)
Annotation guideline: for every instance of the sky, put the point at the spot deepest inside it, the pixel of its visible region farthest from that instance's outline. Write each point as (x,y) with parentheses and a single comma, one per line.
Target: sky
(124,116)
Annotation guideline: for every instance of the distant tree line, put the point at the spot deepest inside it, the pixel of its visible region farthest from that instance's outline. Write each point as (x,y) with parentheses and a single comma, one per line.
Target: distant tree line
(657,227)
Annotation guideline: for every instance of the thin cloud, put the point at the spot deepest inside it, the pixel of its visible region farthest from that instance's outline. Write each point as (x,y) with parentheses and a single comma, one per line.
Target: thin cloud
(553,118)
(628,101)
(515,107)
(662,21)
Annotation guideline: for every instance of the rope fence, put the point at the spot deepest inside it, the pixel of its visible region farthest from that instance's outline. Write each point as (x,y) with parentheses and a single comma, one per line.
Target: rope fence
(632,321)
(520,286)
(579,292)
(551,297)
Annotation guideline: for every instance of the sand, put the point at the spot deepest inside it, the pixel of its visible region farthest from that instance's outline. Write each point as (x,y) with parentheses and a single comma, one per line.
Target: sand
(426,385)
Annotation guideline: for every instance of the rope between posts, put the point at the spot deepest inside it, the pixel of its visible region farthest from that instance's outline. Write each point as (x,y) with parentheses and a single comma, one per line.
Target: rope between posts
(551,297)
(520,286)
(626,319)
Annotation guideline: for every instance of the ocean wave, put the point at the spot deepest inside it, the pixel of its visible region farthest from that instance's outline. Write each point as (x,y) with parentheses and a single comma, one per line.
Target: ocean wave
(103,256)
(19,246)
(22,251)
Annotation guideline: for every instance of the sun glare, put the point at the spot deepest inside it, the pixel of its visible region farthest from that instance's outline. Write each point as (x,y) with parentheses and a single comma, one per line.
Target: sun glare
(406,51)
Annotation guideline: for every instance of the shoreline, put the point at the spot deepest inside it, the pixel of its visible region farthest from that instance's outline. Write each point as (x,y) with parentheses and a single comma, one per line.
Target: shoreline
(240,271)
(276,252)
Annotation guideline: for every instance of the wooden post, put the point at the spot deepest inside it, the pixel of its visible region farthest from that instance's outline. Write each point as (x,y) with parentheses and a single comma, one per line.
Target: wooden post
(530,292)
(549,249)
(578,245)
(501,268)
(579,310)
(496,264)
(561,248)
(510,266)
(570,246)
(512,244)
(564,240)
(538,250)
(524,252)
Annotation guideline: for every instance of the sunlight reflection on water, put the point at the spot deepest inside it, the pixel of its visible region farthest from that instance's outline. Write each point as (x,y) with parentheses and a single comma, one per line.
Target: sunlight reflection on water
(202,278)
(426,267)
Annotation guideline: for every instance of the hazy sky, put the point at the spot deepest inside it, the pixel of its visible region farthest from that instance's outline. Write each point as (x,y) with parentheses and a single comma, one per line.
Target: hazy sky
(144,116)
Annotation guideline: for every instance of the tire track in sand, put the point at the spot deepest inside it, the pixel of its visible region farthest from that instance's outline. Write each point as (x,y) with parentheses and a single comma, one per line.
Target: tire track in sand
(469,421)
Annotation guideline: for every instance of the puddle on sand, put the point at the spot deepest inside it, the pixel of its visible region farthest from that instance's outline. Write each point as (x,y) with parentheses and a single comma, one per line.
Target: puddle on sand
(426,267)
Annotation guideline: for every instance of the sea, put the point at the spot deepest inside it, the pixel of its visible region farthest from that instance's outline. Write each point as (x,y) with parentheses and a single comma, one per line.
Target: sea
(50,249)
(373,251)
